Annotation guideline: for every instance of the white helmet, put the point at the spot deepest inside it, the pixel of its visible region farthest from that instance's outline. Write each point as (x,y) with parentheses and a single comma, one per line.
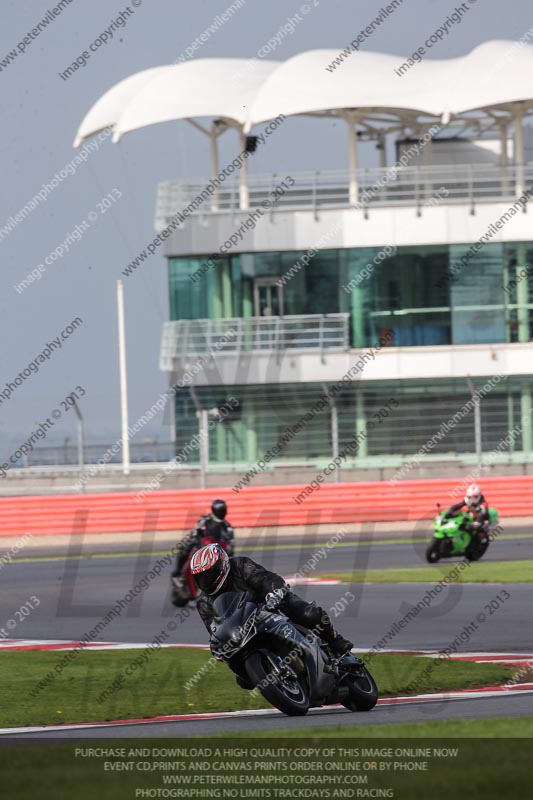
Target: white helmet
(473,495)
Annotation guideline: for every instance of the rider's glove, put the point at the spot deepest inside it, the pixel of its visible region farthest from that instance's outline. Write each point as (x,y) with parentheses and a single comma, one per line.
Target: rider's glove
(178,582)
(274,599)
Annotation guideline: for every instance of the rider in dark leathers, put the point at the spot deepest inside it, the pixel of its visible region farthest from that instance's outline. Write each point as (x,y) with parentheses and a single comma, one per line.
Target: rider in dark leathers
(246,575)
(213,525)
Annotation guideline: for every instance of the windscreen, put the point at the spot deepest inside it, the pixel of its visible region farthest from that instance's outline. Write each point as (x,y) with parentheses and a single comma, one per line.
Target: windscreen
(225,604)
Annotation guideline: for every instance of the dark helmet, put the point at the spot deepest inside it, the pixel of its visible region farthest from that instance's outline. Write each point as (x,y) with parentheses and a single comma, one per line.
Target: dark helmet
(219,509)
(210,567)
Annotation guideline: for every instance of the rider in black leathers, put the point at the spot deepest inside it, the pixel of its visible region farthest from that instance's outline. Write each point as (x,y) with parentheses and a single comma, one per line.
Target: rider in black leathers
(246,575)
(212,525)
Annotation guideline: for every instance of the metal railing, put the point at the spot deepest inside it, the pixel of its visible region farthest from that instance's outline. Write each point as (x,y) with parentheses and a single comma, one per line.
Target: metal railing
(414,186)
(272,410)
(69,454)
(317,332)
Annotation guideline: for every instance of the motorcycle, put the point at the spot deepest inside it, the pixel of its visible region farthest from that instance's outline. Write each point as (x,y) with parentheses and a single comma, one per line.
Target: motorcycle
(454,537)
(290,666)
(184,589)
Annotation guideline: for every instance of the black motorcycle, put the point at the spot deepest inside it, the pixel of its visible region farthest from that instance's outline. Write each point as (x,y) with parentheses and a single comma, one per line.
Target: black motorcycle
(288,664)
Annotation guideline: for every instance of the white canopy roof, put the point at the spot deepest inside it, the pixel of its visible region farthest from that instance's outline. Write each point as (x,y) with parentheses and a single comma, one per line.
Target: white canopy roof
(494,74)
(245,92)
(108,109)
(208,87)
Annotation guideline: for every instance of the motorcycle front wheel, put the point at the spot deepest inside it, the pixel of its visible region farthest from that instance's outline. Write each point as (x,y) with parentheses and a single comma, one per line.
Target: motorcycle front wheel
(433,552)
(278,683)
(363,692)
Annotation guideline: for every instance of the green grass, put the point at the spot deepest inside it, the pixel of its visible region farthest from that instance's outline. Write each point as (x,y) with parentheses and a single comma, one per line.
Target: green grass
(495,728)
(158,687)
(478,572)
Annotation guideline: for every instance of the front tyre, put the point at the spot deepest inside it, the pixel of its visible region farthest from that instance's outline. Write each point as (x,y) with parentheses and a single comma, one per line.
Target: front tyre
(363,692)
(278,683)
(433,552)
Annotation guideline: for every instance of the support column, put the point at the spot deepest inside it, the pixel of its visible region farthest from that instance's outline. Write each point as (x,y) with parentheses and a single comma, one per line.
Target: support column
(426,161)
(525,420)
(522,293)
(360,423)
(213,136)
(358,328)
(244,199)
(353,159)
(356,300)
(519,149)
(204,447)
(334,430)
(218,296)
(506,298)
(477,424)
(335,438)
(382,151)
(510,419)
(504,156)
(251,432)
(247,299)
(227,304)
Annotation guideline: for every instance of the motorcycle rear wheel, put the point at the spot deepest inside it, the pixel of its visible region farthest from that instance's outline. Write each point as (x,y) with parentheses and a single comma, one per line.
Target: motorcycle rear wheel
(476,550)
(363,691)
(278,683)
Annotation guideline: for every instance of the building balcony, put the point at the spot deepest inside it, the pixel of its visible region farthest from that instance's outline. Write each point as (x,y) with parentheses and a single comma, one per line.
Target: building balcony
(412,186)
(183,340)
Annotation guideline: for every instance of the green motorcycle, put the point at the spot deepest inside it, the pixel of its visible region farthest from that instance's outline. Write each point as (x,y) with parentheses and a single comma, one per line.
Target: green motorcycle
(453,537)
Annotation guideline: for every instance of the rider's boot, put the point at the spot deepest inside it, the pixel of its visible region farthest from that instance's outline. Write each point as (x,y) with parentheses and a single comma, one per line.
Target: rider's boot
(336,641)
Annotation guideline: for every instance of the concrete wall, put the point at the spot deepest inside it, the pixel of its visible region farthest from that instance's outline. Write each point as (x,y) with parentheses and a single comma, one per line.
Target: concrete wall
(57,481)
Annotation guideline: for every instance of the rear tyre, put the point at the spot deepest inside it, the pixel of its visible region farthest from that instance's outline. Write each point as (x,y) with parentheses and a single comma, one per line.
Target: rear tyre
(476,549)
(363,690)
(278,683)
(432,553)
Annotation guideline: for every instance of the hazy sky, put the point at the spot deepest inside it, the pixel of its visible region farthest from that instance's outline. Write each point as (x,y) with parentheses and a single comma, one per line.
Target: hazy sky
(41,113)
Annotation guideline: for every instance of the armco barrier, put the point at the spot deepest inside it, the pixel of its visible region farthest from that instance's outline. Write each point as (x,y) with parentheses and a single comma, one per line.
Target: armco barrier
(255,507)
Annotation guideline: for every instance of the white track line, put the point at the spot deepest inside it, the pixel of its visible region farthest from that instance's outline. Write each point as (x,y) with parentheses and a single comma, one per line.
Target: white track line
(465,694)
(60,645)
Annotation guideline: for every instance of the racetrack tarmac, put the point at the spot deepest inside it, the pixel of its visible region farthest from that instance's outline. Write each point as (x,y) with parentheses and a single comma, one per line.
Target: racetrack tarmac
(508,706)
(75,594)
(369,549)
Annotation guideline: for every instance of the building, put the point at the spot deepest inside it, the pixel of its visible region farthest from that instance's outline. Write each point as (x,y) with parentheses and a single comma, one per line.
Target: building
(352,315)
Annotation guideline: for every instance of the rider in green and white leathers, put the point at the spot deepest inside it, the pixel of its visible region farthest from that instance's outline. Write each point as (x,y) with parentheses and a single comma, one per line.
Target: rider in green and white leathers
(477,505)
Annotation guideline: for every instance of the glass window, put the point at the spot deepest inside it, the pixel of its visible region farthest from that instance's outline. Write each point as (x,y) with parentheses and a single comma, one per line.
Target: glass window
(196,288)
(476,295)
(518,291)
(422,295)
(406,295)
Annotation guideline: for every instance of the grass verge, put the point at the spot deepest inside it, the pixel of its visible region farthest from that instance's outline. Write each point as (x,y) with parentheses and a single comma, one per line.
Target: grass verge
(495,728)
(478,572)
(161,684)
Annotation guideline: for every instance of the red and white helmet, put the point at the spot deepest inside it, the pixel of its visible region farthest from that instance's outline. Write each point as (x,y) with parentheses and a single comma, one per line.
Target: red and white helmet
(210,567)
(473,495)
